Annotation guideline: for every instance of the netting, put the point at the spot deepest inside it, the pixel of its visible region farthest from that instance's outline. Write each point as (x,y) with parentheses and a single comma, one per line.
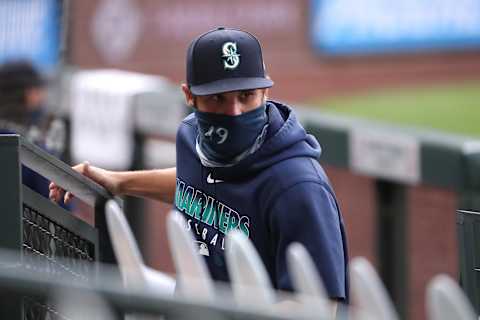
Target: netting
(51,248)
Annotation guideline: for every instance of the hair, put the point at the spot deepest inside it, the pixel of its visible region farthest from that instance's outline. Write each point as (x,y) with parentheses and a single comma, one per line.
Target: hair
(16,78)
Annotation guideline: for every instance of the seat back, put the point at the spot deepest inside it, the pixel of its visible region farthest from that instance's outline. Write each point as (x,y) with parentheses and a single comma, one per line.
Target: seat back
(446,300)
(306,281)
(303,272)
(368,293)
(125,247)
(193,278)
(249,279)
(135,274)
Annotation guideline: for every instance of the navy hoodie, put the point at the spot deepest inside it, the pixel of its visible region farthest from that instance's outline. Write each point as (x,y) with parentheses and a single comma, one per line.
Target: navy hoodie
(277,195)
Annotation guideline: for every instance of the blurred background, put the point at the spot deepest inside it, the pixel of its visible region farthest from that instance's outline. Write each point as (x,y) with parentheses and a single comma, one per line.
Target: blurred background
(114,68)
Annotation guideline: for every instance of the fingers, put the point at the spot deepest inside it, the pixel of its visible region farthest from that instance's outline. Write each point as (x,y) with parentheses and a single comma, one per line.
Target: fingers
(86,167)
(68,197)
(82,168)
(55,192)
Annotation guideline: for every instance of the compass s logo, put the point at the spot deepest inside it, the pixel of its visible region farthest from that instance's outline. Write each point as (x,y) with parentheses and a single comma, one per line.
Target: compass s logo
(231,59)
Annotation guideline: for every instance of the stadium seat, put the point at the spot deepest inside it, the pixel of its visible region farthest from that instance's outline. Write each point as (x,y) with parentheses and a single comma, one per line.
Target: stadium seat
(306,280)
(369,296)
(445,300)
(78,305)
(135,274)
(193,279)
(250,282)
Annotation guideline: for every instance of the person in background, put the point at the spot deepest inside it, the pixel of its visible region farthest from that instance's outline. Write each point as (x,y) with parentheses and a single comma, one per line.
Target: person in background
(23,93)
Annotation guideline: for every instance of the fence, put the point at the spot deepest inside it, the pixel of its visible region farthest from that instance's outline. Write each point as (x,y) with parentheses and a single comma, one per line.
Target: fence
(43,236)
(44,286)
(468,226)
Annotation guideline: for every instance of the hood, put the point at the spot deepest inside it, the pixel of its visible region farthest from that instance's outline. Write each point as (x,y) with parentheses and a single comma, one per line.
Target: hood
(286,138)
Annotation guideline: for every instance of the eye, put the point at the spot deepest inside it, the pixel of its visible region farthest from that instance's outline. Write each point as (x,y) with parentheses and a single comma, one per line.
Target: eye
(215,97)
(248,94)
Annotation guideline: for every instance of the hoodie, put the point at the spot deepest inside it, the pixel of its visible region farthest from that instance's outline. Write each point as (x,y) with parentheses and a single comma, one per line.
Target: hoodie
(276,196)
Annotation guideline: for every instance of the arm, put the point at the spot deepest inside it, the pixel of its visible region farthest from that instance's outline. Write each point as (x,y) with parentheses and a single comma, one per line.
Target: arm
(307,213)
(156,184)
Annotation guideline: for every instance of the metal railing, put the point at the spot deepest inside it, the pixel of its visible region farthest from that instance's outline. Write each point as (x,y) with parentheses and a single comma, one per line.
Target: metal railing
(43,290)
(44,237)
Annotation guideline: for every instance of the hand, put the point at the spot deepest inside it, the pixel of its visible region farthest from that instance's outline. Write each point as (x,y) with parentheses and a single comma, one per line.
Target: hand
(105,178)
(56,192)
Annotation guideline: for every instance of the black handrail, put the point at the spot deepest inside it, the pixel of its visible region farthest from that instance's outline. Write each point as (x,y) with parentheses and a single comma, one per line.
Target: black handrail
(62,174)
(55,170)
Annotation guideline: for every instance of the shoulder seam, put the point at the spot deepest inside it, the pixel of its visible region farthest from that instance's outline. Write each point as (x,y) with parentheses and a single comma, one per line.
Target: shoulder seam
(268,217)
(275,198)
(188,122)
(321,183)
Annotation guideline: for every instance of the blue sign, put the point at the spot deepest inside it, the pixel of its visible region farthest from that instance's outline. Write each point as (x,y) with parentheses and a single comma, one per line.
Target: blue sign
(30,29)
(345,27)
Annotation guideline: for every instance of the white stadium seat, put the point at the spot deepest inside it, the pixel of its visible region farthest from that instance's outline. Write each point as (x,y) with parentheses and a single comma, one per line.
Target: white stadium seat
(306,280)
(250,282)
(135,274)
(369,296)
(193,279)
(445,300)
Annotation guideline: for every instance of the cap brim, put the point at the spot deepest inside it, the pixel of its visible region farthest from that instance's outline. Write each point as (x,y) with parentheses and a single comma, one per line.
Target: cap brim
(232,84)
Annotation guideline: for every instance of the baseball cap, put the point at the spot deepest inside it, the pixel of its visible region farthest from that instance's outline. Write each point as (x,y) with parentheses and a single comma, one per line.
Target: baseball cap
(223,60)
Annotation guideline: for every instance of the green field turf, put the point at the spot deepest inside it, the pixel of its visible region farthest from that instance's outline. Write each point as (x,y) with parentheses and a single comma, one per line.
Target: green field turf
(453,108)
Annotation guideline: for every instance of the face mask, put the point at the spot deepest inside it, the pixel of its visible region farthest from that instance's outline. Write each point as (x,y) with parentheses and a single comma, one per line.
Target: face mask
(223,137)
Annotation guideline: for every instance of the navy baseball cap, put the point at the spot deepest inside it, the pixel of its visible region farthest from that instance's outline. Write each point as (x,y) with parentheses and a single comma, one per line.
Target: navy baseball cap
(224,60)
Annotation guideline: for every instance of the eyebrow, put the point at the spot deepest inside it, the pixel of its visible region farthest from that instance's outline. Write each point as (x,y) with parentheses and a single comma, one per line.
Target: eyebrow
(225,93)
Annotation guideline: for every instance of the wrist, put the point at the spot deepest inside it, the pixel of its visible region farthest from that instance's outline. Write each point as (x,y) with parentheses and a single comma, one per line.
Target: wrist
(118,185)
(107,179)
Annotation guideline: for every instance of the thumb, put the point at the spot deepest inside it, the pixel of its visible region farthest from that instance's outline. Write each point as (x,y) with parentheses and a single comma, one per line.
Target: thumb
(86,167)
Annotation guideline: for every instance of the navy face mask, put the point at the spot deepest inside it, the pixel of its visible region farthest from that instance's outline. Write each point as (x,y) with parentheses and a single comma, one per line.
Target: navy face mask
(223,137)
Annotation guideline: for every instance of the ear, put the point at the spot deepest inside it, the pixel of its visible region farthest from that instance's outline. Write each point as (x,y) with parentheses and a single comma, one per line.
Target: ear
(265,94)
(188,95)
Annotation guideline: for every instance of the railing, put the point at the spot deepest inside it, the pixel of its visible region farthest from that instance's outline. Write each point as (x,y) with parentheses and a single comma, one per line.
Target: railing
(44,287)
(43,236)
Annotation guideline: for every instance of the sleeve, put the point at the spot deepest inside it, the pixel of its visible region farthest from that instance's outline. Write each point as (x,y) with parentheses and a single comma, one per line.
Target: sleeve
(308,213)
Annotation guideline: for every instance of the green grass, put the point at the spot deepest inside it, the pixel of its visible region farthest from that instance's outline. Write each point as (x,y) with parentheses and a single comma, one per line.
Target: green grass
(453,108)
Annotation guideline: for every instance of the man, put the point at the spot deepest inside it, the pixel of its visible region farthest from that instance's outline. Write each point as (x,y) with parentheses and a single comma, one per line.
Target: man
(243,162)
(22,93)
(22,111)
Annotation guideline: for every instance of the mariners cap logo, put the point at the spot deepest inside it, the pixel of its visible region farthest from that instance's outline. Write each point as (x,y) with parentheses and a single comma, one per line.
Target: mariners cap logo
(231,59)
